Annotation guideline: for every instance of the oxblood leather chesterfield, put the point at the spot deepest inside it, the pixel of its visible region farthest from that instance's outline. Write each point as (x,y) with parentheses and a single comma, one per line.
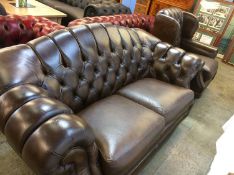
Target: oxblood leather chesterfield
(16,29)
(144,22)
(93,100)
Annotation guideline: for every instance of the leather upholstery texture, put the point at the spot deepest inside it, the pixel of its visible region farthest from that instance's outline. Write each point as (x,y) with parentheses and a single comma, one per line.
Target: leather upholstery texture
(177,27)
(150,93)
(46,83)
(83,8)
(168,25)
(21,29)
(122,144)
(106,9)
(144,22)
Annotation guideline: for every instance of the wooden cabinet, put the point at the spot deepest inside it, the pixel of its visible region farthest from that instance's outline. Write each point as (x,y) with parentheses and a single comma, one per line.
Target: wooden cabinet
(142,6)
(151,7)
(160,4)
(229,55)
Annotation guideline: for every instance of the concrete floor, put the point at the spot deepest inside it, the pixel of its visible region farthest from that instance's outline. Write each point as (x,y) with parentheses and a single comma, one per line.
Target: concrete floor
(189,150)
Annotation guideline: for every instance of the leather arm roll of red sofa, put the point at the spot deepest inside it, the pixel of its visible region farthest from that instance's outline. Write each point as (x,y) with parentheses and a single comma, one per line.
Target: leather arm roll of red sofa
(144,22)
(16,29)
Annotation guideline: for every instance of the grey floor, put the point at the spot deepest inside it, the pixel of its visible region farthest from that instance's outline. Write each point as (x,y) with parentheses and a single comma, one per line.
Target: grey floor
(189,150)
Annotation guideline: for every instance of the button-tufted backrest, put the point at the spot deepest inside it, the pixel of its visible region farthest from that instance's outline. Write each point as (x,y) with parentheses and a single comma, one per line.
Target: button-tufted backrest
(83,64)
(172,24)
(89,62)
(105,9)
(16,29)
(144,22)
(174,13)
(84,3)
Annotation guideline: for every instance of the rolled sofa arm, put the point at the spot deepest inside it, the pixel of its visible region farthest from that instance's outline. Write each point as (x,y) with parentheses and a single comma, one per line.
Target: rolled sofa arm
(175,66)
(105,9)
(46,133)
(199,48)
(169,64)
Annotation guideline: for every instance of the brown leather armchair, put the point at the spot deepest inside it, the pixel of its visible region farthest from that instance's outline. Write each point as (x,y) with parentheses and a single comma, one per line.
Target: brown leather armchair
(177,27)
(95,99)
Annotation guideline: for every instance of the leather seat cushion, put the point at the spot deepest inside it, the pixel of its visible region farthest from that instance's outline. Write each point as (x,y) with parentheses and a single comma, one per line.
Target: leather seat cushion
(210,68)
(124,131)
(163,98)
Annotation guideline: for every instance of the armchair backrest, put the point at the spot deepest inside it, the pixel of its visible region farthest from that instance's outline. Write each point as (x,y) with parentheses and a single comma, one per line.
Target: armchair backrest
(173,24)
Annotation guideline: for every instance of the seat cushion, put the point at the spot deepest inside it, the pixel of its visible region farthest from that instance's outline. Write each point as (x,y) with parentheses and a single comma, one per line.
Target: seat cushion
(168,100)
(125,132)
(210,68)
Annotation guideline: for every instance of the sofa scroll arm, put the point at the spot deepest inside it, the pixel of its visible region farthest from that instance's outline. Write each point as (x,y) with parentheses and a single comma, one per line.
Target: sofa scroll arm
(68,148)
(175,66)
(198,84)
(46,133)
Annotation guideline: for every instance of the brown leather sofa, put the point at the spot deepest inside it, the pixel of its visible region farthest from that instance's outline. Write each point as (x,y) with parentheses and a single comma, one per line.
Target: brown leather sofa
(177,27)
(93,100)
(144,22)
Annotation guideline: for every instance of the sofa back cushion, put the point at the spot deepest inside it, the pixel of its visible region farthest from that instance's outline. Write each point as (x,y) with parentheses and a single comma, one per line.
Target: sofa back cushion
(89,62)
(144,22)
(78,3)
(168,25)
(81,65)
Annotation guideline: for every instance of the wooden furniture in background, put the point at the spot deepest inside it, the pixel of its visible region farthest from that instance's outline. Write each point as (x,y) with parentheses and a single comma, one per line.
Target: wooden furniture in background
(229,55)
(142,6)
(213,22)
(39,10)
(157,5)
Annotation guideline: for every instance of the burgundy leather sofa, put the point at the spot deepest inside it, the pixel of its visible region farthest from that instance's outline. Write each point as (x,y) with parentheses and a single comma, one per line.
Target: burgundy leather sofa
(95,99)
(21,29)
(144,22)
(177,27)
